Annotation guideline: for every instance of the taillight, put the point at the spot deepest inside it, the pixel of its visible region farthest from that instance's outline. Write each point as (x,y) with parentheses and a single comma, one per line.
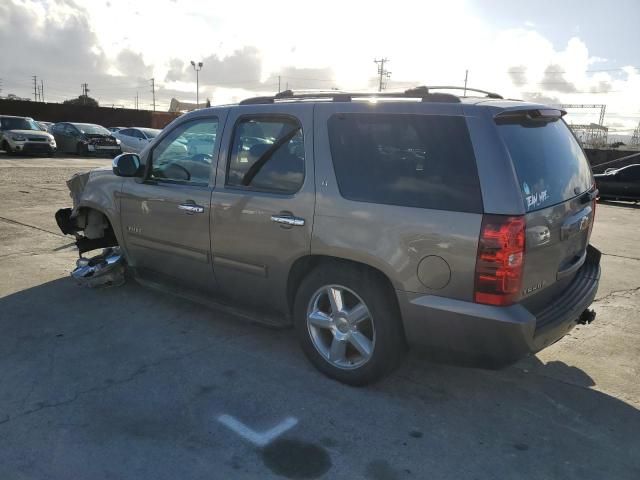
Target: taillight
(500,260)
(593,218)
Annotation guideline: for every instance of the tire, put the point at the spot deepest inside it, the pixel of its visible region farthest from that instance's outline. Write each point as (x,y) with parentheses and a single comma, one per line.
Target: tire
(7,148)
(379,323)
(82,150)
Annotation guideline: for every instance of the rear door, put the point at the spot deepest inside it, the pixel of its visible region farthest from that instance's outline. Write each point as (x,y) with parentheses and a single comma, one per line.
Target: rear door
(263,203)
(555,183)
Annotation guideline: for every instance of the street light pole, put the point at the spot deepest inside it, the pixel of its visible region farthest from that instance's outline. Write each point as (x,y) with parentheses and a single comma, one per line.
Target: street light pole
(197,67)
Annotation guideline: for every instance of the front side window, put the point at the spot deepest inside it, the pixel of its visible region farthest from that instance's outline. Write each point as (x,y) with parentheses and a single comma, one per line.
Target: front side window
(267,155)
(424,161)
(186,154)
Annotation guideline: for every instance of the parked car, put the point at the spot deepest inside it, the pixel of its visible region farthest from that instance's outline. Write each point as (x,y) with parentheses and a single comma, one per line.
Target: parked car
(620,184)
(115,129)
(44,126)
(459,224)
(24,135)
(85,138)
(135,139)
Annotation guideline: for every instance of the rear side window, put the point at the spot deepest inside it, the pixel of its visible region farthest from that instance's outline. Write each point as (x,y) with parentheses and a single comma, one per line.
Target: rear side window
(548,160)
(267,155)
(423,161)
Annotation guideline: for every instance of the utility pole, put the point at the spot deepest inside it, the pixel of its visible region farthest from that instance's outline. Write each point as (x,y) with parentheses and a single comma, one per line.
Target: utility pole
(278,83)
(382,73)
(153,92)
(466,75)
(35,88)
(41,90)
(85,92)
(136,102)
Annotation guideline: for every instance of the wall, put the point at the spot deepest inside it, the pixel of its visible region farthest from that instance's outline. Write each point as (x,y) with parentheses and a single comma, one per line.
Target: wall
(107,117)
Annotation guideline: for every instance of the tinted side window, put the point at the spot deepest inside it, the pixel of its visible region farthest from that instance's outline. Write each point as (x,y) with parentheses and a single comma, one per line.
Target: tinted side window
(126,132)
(267,154)
(423,161)
(631,173)
(186,154)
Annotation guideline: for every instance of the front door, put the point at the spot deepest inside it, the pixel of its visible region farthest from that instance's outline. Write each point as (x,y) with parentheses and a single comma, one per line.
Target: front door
(264,201)
(165,219)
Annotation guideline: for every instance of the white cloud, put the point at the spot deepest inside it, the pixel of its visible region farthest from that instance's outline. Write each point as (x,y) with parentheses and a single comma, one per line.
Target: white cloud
(119,44)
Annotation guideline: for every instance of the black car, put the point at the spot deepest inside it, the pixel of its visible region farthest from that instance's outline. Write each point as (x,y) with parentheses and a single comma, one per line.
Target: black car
(85,138)
(620,184)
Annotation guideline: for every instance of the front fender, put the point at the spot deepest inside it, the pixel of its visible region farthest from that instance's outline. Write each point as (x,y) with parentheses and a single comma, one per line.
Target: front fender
(98,190)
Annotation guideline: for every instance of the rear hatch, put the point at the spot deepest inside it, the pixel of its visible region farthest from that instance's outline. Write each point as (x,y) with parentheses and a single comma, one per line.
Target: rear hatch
(557,190)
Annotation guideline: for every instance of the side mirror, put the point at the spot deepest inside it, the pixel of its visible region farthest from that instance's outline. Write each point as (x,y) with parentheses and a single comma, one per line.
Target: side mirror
(127,165)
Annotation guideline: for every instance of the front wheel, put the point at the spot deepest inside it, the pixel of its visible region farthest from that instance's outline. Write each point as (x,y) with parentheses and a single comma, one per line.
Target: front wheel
(348,324)
(7,148)
(82,150)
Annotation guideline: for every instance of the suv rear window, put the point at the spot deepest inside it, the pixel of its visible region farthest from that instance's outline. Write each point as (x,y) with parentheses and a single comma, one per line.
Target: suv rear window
(423,161)
(549,162)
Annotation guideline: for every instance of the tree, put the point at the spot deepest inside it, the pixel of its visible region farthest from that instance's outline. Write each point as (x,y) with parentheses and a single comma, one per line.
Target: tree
(83,100)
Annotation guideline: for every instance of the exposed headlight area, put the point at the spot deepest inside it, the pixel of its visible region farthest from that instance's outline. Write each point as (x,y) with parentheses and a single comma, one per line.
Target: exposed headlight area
(118,142)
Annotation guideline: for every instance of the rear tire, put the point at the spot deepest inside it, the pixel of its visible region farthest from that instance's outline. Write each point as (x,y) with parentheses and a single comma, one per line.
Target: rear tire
(360,342)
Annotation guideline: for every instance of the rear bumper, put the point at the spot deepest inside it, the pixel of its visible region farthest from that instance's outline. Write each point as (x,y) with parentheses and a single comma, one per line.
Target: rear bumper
(497,335)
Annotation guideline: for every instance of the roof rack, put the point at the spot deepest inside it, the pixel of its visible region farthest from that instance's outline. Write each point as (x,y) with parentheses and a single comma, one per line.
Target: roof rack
(422,92)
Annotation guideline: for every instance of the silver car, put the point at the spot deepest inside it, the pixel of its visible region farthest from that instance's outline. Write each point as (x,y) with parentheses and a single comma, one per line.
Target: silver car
(135,139)
(457,224)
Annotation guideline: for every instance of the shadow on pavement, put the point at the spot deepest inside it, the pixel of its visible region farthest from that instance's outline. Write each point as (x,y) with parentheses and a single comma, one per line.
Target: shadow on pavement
(105,383)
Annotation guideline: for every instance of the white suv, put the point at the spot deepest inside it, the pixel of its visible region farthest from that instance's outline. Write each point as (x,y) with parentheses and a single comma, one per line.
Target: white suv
(24,135)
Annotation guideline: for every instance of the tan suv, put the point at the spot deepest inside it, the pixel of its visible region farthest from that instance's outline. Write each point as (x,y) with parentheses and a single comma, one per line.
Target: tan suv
(368,221)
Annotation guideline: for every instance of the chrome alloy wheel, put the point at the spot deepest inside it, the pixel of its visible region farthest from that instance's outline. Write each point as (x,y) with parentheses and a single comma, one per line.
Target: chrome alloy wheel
(341,327)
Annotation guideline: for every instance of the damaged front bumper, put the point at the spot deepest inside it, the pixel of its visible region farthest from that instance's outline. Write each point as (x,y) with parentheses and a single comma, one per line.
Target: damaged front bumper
(106,269)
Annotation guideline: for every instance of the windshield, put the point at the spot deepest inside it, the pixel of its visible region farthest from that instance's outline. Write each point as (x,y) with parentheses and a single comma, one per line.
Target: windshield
(92,129)
(18,124)
(150,132)
(549,162)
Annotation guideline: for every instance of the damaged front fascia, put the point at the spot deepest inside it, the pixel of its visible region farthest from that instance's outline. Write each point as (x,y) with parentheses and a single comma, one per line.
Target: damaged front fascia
(97,232)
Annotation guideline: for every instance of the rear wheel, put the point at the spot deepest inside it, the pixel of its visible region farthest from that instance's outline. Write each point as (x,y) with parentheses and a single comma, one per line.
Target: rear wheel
(348,324)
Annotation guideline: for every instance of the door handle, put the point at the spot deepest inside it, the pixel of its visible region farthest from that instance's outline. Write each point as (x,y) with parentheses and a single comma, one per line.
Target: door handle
(289,220)
(191,208)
